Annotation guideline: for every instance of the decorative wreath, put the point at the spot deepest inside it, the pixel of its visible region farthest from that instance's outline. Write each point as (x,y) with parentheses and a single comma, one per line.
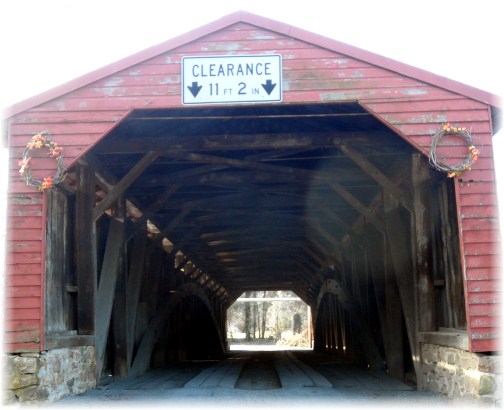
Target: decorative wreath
(39,141)
(466,163)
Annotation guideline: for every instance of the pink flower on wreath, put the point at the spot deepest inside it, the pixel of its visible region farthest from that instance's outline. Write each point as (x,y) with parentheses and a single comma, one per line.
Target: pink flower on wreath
(56,151)
(24,165)
(47,183)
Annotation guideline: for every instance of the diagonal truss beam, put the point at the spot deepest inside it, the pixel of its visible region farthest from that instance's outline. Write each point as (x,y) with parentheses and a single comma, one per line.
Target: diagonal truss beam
(376,174)
(121,186)
(359,206)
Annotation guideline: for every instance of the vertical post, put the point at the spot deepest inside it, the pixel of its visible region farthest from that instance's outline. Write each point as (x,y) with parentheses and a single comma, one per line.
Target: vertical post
(86,265)
(399,252)
(106,289)
(120,325)
(136,269)
(422,240)
(309,326)
(341,317)
(388,303)
(394,315)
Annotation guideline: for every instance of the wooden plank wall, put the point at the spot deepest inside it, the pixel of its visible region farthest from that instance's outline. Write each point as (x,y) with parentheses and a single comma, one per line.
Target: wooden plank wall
(416,110)
(24,265)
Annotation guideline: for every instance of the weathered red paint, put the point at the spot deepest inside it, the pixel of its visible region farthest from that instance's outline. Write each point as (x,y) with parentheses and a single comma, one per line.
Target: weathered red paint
(413,102)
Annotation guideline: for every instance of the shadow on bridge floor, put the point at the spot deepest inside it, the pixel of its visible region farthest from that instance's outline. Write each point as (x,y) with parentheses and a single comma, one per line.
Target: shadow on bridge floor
(300,379)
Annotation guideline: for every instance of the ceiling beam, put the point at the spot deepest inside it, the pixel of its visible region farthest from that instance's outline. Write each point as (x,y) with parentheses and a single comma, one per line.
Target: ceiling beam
(219,142)
(120,187)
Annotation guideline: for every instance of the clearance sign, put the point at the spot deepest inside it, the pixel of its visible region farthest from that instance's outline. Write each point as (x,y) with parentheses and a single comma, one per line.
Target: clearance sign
(231,79)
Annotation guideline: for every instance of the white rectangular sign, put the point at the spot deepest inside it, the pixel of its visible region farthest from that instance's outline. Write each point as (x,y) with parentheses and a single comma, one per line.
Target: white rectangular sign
(231,79)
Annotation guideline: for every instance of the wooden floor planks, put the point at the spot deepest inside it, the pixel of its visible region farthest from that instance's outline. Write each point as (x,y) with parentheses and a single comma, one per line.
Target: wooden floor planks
(285,367)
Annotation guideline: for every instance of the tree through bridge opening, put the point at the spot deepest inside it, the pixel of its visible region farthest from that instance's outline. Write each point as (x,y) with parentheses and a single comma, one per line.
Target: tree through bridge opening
(269,320)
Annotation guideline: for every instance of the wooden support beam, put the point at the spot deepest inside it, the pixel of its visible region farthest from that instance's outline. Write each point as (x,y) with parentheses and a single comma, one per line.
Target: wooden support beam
(179,245)
(376,204)
(183,262)
(333,255)
(314,255)
(58,312)
(85,252)
(235,216)
(351,305)
(343,325)
(398,247)
(106,288)
(147,297)
(205,171)
(257,166)
(120,321)
(170,227)
(189,274)
(335,218)
(253,251)
(253,164)
(303,259)
(354,287)
(388,303)
(394,340)
(133,286)
(376,174)
(328,236)
(104,178)
(310,274)
(155,206)
(124,183)
(450,245)
(141,361)
(176,221)
(422,239)
(361,208)
(220,142)
(251,233)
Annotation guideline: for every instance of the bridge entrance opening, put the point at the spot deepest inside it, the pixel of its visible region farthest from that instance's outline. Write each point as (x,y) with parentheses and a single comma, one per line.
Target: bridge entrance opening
(197,211)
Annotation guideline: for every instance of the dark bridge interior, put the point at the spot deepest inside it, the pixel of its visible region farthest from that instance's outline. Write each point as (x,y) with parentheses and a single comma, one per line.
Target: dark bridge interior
(320,199)
(257,197)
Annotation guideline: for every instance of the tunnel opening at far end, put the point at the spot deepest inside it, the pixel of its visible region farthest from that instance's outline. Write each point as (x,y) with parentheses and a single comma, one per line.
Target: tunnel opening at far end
(267,320)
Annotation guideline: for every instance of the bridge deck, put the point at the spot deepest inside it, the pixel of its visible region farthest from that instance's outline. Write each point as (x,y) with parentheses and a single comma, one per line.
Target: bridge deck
(256,378)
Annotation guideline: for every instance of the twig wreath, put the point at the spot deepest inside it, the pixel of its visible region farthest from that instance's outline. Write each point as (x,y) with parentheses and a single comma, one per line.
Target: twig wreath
(465,164)
(40,141)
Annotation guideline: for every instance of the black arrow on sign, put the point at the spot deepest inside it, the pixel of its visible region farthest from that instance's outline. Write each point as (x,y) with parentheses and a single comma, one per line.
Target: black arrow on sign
(195,88)
(268,87)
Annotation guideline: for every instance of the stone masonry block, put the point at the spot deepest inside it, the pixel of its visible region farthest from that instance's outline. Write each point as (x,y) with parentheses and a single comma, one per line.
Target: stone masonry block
(469,361)
(450,358)
(20,381)
(430,355)
(490,364)
(25,364)
(27,394)
(487,385)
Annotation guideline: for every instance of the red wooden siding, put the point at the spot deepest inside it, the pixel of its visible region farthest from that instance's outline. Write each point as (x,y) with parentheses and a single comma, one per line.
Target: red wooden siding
(415,109)
(23,284)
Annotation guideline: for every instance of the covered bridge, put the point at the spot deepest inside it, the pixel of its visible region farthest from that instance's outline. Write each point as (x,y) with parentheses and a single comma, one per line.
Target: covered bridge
(251,155)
